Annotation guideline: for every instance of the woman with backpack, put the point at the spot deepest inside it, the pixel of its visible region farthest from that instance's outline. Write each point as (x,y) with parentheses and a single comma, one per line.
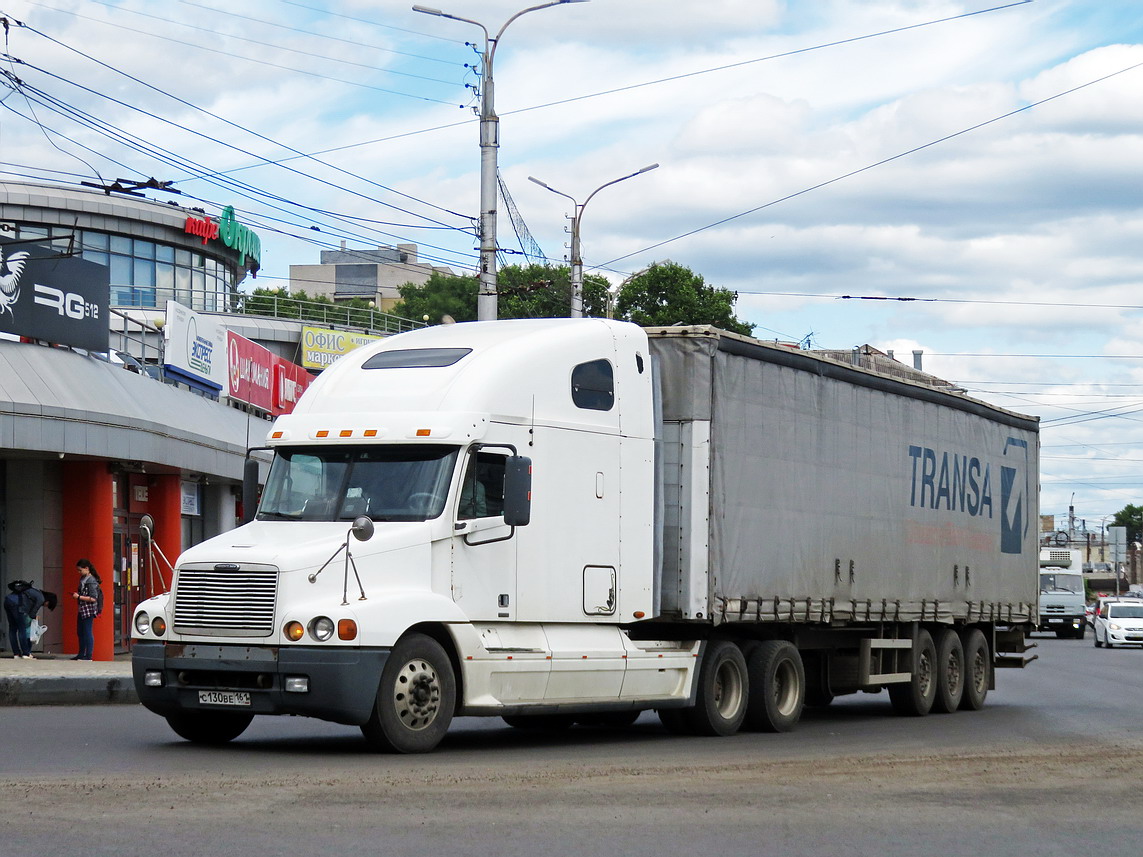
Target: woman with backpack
(88,599)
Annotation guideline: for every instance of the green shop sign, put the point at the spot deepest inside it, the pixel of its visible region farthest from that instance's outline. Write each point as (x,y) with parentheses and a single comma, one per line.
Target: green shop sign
(230,232)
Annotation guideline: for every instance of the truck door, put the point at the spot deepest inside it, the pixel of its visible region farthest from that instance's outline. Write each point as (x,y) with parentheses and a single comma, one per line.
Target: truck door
(484,551)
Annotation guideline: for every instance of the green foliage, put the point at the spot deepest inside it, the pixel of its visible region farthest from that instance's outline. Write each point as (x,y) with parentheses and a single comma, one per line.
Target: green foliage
(667,293)
(1130,517)
(532,291)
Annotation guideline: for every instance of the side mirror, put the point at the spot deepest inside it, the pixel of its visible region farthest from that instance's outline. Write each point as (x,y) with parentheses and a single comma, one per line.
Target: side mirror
(146,529)
(362,528)
(249,490)
(518,491)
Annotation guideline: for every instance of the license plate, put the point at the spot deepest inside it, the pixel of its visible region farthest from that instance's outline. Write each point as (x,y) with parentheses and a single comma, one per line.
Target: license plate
(223,697)
(1057,621)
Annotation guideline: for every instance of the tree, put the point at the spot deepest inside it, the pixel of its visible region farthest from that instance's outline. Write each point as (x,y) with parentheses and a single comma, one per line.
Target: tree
(667,293)
(1130,517)
(532,291)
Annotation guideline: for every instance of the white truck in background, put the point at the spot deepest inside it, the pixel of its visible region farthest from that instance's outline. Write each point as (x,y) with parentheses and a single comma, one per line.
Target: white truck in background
(1063,600)
(576,520)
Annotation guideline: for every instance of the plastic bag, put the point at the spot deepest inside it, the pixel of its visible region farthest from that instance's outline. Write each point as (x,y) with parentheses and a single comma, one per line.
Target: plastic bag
(36,630)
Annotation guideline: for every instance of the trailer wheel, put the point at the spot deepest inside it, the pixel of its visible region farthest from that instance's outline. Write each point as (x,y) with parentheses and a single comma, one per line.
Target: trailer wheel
(914,698)
(415,699)
(777,681)
(209,727)
(539,721)
(723,690)
(977,665)
(950,671)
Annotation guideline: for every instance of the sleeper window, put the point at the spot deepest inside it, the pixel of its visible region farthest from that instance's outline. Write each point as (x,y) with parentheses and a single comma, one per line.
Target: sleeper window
(593,386)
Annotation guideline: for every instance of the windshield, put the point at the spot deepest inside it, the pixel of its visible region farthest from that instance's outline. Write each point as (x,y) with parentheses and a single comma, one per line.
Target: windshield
(1060,582)
(387,483)
(1125,611)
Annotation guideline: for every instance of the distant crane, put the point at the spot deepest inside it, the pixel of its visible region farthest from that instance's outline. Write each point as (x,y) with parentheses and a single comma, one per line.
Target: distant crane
(528,245)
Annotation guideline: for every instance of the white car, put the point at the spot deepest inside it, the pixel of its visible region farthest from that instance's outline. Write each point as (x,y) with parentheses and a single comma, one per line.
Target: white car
(1119,623)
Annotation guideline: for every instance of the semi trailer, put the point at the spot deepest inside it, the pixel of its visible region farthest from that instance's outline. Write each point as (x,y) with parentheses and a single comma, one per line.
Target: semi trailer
(578,520)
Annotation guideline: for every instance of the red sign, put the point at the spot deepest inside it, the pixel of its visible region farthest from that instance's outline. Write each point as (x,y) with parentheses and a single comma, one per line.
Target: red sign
(261,378)
(290,381)
(251,371)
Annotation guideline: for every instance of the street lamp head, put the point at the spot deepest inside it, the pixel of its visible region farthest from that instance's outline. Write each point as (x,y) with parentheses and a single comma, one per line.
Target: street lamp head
(537,181)
(429,11)
(648,169)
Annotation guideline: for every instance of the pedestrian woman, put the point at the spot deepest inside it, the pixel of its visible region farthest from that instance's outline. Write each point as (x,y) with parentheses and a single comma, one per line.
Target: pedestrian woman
(88,598)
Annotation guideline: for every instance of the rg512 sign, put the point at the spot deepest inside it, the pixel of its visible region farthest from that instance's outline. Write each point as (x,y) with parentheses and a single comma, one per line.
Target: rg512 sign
(49,297)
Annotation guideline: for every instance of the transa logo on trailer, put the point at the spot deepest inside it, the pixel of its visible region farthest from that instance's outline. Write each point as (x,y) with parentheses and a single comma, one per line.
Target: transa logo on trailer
(963,484)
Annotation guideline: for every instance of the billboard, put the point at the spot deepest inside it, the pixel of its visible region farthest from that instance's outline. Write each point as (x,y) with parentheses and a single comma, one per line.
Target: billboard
(195,349)
(321,345)
(259,377)
(58,299)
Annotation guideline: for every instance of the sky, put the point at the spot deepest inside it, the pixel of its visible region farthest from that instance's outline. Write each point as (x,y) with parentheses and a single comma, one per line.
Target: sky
(969,174)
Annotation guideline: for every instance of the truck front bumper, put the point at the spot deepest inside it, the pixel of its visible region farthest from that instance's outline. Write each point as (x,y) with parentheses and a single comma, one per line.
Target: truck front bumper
(339,684)
(1061,623)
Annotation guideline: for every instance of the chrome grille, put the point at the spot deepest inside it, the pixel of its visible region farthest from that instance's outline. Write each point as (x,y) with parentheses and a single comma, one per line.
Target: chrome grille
(226,600)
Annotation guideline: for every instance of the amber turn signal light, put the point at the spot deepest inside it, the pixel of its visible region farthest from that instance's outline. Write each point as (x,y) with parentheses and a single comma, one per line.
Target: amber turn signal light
(346,629)
(294,631)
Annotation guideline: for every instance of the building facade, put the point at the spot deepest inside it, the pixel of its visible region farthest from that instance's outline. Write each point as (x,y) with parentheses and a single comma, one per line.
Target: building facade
(372,275)
(86,448)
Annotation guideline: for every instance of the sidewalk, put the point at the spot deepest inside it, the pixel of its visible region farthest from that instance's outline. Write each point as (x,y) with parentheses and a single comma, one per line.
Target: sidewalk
(58,680)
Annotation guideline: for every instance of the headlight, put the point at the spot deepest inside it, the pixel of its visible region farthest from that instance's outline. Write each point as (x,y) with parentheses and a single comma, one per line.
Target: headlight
(321,628)
(142,623)
(1114,627)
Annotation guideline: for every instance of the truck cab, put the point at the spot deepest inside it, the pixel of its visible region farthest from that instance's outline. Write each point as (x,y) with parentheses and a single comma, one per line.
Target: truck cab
(1063,604)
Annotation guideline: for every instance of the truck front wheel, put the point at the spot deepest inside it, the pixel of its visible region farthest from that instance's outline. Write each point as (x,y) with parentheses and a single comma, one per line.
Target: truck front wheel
(915,697)
(209,727)
(777,687)
(415,700)
(723,690)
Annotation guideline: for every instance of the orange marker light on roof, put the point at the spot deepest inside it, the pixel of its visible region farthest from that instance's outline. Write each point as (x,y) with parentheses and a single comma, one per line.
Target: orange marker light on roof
(345,433)
(371,432)
(277,434)
(424,432)
(323,433)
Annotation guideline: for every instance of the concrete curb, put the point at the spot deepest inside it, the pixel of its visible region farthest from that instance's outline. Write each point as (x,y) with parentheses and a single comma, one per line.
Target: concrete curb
(66,690)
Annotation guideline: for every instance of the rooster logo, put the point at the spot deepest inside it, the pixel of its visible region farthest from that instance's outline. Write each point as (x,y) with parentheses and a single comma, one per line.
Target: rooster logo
(10,271)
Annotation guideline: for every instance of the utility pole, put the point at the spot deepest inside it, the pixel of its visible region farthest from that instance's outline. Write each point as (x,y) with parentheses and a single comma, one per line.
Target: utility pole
(489,146)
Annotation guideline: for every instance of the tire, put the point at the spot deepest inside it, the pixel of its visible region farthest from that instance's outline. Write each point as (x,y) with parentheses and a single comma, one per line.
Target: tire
(674,720)
(1095,639)
(539,721)
(209,727)
(950,672)
(977,670)
(777,681)
(609,719)
(914,698)
(723,691)
(415,699)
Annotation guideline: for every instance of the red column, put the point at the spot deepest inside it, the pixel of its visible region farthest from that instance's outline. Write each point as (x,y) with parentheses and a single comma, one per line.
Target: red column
(166,507)
(89,532)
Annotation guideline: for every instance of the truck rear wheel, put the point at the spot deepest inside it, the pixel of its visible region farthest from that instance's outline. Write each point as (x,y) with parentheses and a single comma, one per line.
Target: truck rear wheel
(777,681)
(950,671)
(976,673)
(415,700)
(209,727)
(723,690)
(914,698)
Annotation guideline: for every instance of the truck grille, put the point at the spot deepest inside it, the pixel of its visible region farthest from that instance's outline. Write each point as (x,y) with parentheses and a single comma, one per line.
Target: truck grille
(226,600)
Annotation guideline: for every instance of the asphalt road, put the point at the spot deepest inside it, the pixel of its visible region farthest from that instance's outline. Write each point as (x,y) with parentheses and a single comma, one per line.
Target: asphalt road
(1052,765)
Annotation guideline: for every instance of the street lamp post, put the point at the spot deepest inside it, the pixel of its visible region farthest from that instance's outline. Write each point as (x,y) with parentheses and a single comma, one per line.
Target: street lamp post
(576,255)
(489,145)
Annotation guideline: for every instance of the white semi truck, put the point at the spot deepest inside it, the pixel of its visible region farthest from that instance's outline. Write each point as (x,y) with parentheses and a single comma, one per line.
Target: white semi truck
(568,520)
(1063,598)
